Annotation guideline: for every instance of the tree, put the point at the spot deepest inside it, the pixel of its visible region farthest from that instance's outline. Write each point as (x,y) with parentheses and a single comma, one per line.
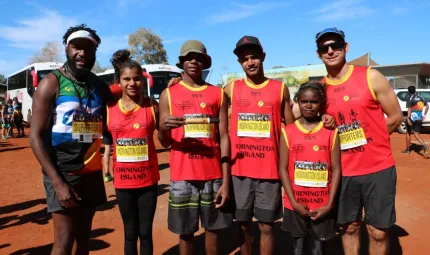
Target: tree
(2,79)
(97,68)
(147,47)
(51,52)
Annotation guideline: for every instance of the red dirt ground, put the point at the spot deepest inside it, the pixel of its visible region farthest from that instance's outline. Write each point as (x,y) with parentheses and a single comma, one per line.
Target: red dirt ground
(26,228)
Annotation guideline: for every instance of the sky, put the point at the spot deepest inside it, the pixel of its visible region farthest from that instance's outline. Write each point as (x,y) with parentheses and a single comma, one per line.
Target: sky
(393,31)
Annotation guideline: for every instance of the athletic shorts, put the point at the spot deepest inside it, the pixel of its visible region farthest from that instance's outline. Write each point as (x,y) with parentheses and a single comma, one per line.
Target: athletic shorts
(375,192)
(259,198)
(191,200)
(416,126)
(322,230)
(90,187)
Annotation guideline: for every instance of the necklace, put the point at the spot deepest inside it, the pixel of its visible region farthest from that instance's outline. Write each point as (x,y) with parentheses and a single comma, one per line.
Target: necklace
(69,75)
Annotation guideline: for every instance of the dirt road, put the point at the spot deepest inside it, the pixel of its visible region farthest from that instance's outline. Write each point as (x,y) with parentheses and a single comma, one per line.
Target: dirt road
(26,228)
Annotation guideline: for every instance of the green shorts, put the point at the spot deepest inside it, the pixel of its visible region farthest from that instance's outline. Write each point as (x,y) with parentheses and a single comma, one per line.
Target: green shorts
(191,200)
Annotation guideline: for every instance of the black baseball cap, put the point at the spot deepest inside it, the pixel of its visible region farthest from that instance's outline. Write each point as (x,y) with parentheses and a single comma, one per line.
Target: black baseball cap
(246,41)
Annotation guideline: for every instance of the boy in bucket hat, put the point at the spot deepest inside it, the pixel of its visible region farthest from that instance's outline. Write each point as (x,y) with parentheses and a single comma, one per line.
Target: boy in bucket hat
(199,164)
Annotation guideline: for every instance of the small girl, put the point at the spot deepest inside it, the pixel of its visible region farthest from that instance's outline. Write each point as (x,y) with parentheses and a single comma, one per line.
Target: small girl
(310,172)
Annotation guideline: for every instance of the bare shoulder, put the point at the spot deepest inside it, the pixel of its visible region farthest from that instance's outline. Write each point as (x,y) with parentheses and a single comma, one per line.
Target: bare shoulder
(378,81)
(47,87)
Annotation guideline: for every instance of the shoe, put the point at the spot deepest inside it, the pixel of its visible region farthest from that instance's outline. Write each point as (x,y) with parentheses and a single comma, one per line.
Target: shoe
(108,178)
(426,152)
(407,151)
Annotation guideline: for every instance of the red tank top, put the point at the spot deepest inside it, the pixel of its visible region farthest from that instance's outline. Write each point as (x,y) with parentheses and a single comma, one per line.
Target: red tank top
(365,142)
(195,151)
(309,166)
(255,128)
(135,163)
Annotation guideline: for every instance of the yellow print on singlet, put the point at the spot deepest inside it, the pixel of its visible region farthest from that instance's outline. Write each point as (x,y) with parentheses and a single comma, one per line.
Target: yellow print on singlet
(351,135)
(198,130)
(132,149)
(254,125)
(310,174)
(86,128)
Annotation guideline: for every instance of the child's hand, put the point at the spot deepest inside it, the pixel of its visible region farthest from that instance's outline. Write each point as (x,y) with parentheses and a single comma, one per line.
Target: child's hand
(320,213)
(302,210)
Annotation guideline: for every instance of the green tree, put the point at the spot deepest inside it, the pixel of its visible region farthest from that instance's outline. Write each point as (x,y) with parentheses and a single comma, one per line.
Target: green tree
(147,47)
(97,68)
(2,79)
(51,52)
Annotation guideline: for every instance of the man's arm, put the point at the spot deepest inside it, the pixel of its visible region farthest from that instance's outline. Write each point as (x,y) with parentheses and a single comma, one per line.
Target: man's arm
(287,113)
(167,122)
(388,100)
(224,191)
(40,137)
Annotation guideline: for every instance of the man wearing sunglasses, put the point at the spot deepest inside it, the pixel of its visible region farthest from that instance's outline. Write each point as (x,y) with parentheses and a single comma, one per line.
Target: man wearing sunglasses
(358,97)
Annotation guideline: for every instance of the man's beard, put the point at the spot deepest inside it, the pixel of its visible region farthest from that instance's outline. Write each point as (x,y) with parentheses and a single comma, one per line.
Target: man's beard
(79,72)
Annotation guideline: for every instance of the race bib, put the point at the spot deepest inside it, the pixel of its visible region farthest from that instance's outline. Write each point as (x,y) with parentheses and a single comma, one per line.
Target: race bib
(310,174)
(198,130)
(132,149)
(253,125)
(416,116)
(351,135)
(86,128)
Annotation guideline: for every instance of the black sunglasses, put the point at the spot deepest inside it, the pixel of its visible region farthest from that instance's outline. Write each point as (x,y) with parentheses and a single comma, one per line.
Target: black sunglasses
(323,48)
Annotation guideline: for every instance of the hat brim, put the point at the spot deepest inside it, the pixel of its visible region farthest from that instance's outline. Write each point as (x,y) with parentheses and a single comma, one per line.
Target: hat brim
(206,65)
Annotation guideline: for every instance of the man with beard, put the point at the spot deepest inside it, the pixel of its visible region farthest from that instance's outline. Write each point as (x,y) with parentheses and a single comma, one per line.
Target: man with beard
(368,166)
(67,149)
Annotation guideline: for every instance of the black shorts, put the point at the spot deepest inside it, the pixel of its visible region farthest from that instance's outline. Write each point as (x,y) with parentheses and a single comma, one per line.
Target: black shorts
(375,192)
(259,198)
(322,230)
(416,126)
(90,187)
(190,200)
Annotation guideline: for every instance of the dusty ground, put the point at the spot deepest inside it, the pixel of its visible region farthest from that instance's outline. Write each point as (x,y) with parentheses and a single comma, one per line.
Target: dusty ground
(26,228)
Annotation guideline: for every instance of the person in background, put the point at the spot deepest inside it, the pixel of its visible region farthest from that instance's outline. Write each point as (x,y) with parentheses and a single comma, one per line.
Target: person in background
(414,121)
(17,120)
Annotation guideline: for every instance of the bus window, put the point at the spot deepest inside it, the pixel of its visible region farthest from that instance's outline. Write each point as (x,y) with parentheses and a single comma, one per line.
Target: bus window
(161,79)
(17,81)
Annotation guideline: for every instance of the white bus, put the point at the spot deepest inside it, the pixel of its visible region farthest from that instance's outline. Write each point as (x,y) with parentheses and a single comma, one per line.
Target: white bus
(23,83)
(161,74)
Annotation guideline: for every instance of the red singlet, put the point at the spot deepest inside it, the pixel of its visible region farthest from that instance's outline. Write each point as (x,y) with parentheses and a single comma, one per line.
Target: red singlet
(255,128)
(309,164)
(365,142)
(135,163)
(195,151)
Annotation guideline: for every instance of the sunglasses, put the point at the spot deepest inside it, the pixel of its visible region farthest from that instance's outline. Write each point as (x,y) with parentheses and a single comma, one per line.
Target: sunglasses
(323,48)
